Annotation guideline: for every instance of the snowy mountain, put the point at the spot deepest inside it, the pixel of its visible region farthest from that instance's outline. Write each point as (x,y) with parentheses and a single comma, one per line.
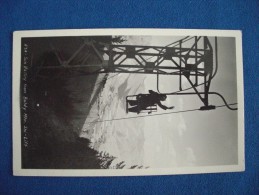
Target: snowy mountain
(121,138)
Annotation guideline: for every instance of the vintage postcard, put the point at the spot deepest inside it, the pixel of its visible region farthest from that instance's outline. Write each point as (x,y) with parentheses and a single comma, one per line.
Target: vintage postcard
(115,102)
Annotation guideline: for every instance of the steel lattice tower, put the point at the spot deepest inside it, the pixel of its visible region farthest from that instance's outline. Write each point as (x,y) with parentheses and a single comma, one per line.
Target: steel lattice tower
(191,58)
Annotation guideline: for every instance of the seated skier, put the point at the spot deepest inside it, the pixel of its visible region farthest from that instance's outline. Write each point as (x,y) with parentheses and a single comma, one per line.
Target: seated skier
(143,101)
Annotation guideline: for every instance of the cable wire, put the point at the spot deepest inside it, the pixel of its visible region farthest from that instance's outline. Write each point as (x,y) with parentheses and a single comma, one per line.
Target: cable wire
(134,117)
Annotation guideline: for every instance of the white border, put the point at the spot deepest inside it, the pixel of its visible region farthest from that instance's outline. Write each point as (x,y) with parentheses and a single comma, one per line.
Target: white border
(18,171)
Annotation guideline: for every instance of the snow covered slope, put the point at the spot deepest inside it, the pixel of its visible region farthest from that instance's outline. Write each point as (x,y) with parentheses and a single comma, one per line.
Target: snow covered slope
(123,139)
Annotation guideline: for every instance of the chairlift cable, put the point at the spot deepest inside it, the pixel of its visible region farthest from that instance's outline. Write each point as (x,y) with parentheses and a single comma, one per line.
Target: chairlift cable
(134,117)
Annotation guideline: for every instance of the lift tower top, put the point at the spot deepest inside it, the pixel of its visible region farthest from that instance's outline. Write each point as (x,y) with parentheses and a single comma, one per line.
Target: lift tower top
(190,57)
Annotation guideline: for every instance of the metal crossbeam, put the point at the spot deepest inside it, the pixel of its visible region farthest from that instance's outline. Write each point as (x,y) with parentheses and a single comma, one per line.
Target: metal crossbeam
(192,59)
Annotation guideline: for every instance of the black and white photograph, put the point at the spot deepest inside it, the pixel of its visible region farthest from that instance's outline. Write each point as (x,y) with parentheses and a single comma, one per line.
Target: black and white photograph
(127,102)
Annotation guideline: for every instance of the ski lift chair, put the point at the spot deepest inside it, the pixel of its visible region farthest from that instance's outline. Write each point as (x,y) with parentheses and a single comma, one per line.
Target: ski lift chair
(148,109)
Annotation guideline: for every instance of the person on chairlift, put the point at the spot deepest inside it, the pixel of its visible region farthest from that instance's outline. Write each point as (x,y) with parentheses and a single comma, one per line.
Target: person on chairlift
(144,101)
